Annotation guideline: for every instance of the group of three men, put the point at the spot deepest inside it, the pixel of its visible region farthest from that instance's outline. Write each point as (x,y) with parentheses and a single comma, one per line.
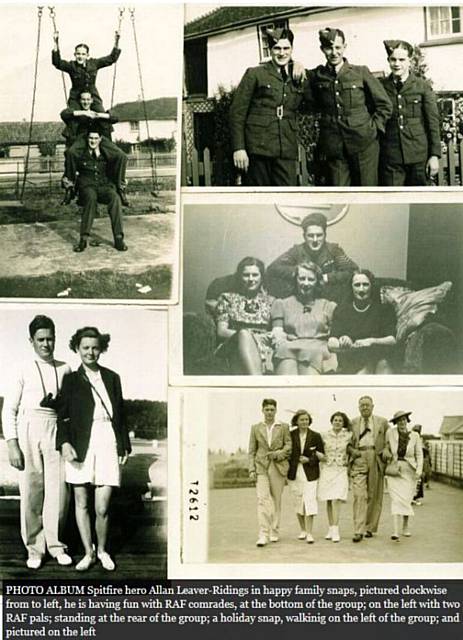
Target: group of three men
(269,452)
(94,165)
(371,131)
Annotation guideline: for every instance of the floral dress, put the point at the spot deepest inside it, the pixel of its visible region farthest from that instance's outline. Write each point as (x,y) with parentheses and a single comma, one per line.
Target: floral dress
(334,482)
(241,312)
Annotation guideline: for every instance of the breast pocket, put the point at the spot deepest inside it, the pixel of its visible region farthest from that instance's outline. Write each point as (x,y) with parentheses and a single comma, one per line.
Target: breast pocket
(353,94)
(414,106)
(265,90)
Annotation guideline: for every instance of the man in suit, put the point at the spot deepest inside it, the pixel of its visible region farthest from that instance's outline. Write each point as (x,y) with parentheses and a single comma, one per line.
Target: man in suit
(95,184)
(263,117)
(410,146)
(353,107)
(78,124)
(269,451)
(367,451)
(336,266)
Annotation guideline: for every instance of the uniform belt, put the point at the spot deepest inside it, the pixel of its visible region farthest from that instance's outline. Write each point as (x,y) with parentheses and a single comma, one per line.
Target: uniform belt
(328,117)
(281,112)
(413,120)
(366,448)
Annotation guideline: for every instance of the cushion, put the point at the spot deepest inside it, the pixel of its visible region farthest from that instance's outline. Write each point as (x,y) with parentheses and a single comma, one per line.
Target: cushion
(412,307)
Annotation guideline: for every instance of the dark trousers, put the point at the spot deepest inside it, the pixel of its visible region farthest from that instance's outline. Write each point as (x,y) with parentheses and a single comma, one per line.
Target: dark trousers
(270,172)
(403,175)
(356,170)
(90,196)
(116,158)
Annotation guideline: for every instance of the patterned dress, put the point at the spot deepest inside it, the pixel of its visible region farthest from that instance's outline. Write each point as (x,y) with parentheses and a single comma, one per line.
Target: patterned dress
(333,483)
(253,314)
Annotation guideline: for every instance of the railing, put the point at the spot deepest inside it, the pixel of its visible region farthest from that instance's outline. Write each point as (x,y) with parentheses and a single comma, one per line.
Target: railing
(447,459)
(200,170)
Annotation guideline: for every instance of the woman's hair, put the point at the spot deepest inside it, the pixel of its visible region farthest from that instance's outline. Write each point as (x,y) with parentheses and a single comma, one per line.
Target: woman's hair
(41,322)
(89,332)
(298,414)
(374,291)
(248,261)
(269,401)
(346,421)
(82,44)
(315,269)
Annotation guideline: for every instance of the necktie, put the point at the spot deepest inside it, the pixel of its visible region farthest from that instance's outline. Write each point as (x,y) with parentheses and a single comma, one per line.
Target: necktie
(284,74)
(399,85)
(366,429)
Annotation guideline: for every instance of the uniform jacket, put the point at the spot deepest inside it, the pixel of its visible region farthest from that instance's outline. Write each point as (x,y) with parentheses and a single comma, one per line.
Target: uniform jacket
(259,461)
(380,429)
(353,106)
(254,122)
(331,259)
(84,77)
(80,125)
(414,451)
(412,135)
(93,172)
(311,468)
(76,407)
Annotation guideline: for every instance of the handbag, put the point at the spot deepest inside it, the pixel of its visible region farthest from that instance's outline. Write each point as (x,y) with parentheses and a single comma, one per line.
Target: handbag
(392,469)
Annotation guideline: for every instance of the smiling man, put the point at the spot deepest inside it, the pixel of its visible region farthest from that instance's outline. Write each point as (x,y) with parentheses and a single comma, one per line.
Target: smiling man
(263,117)
(29,425)
(353,108)
(410,146)
(336,266)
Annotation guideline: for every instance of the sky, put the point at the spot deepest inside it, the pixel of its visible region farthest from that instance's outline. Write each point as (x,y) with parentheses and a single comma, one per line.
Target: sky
(137,351)
(159,36)
(231,413)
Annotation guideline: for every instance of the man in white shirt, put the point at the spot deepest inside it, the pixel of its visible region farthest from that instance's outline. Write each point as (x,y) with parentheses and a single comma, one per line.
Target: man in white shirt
(269,451)
(29,427)
(367,468)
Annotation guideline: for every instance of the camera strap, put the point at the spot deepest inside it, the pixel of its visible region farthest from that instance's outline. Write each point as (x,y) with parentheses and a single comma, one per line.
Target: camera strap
(41,377)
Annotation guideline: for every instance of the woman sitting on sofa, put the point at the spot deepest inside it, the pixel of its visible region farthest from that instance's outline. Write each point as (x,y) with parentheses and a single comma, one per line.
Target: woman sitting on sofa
(243,321)
(363,330)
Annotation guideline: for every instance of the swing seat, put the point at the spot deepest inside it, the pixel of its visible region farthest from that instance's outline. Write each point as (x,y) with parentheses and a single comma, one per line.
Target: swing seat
(11,203)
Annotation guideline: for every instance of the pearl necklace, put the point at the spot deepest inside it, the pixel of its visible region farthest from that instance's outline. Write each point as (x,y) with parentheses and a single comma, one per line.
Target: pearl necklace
(361,310)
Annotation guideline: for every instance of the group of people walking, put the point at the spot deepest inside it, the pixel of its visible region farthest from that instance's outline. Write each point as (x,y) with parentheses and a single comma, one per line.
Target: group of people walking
(372,131)
(322,466)
(94,166)
(65,428)
(313,311)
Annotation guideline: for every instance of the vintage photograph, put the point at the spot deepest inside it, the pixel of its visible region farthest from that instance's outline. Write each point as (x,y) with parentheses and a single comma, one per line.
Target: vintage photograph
(300,287)
(332,96)
(324,477)
(88,151)
(83,443)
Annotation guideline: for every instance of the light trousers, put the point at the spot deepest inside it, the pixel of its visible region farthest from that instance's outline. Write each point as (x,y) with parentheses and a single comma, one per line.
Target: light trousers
(269,488)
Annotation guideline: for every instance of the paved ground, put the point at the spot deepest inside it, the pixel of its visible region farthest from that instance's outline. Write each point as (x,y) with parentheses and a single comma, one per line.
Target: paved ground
(138,527)
(45,248)
(437,532)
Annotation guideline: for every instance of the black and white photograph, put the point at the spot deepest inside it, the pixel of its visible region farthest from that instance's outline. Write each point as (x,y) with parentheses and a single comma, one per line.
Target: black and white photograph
(83,443)
(89,136)
(323,477)
(330,96)
(300,287)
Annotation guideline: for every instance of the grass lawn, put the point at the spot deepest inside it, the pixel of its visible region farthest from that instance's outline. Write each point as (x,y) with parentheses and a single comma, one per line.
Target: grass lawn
(104,283)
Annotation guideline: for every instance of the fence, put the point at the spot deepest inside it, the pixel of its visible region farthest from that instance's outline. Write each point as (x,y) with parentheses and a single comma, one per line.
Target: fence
(201,169)
(447,460)
(47,172)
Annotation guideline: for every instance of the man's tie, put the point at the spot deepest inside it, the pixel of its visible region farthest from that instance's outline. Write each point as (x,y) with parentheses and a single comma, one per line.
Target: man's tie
(284,74)
(366,428)
(399,85)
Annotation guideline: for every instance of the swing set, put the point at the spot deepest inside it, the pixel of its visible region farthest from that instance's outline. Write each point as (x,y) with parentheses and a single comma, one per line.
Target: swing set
(52,15)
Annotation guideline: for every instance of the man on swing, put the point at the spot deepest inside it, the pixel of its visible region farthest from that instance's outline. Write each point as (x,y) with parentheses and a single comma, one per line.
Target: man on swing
(78,124)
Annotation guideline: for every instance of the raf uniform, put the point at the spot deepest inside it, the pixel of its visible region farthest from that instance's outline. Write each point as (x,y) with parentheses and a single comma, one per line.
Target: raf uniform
(263,121)
(76,132)
(412,135)
(83,77)
(354,107)
(94,185)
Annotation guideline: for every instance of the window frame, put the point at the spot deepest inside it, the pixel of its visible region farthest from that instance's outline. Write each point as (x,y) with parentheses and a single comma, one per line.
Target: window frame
(282,23)
(430,37)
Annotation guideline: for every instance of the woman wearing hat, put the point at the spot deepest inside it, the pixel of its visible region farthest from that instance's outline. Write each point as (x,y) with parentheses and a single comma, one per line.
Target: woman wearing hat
(404,448)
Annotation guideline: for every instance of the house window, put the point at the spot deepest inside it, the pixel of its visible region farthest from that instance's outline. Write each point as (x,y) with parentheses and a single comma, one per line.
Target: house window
(134,126)
(444,21)
(196,67)
(264,49)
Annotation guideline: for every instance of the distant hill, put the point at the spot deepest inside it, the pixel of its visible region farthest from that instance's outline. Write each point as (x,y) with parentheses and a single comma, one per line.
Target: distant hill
(157,109)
